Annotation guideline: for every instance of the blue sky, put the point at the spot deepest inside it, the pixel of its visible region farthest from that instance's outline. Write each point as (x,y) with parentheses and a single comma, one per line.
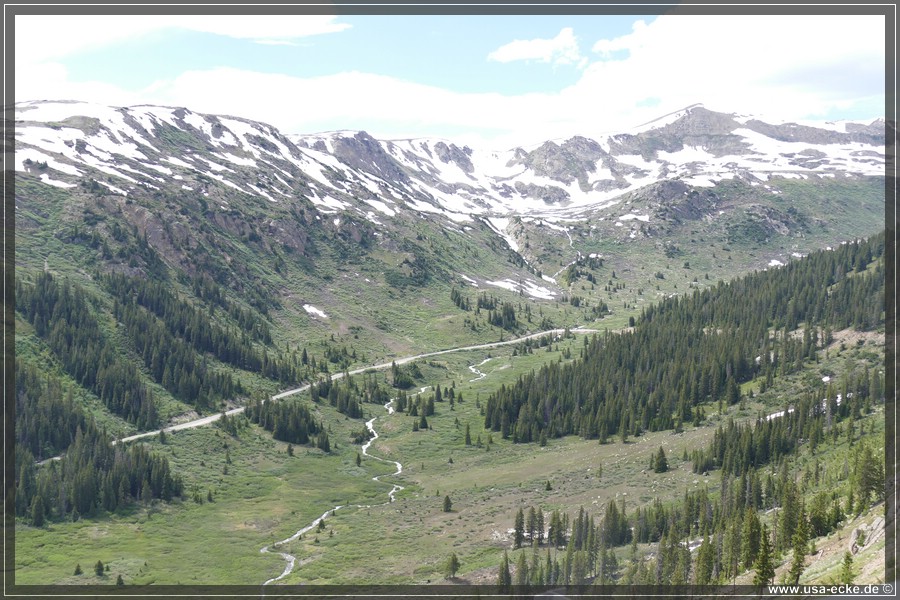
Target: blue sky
(446,51)
(504,80)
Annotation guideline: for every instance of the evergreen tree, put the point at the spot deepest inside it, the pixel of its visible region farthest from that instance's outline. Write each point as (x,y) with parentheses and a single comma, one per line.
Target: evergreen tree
(452,566)
(867,477)
(847,574)
(750,538)
(78,570)
(660,464)
(531,524)
(519,529)
(322,441)
(799,543)
(705,559)
(731,550)
(37,511)
(733,392)
(535,568)
(540,526)
(447,504)
(504,579)
(764,566)
(521,570)
(98,568)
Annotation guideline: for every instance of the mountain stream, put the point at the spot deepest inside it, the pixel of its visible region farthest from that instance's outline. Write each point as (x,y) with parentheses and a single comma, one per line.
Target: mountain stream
(290,559)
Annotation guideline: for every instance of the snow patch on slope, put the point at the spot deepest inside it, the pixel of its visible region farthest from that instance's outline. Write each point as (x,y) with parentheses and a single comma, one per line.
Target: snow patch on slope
(314,311)
(631,217)
(60,184)
(499,225)
(528,287)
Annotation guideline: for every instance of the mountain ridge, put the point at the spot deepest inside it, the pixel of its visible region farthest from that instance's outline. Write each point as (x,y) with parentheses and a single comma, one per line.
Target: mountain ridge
(700,146)
(274,215)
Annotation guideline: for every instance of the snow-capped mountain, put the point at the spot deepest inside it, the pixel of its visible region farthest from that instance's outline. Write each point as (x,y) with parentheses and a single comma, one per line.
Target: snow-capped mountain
(344,233)
(151,147)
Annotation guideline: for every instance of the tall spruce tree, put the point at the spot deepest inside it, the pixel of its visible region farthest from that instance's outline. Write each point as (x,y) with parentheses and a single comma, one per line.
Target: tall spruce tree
(750,538)
(847,575)
(799,543)
(764,565)
(521,570)
(504,579)
(519,529)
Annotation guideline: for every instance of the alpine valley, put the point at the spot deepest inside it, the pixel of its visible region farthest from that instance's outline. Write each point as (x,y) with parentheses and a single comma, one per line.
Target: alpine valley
(654,356)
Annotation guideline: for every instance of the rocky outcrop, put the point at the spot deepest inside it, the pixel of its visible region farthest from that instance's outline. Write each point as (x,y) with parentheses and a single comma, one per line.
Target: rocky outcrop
(364,153)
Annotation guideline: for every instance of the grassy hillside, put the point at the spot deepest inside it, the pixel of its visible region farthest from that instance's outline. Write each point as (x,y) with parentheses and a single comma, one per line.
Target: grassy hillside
(267,495)
(284,281)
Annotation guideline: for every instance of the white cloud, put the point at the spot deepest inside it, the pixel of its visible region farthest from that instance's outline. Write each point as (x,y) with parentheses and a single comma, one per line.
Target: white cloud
(278,27)
(775,67)
(46,37)
(561,50)
(606,47)
(50,81)
(788,66)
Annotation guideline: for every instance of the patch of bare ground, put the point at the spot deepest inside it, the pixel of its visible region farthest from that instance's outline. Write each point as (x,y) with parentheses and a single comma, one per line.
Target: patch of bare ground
(850,336)
(483,576)
(186,417)
(862,536)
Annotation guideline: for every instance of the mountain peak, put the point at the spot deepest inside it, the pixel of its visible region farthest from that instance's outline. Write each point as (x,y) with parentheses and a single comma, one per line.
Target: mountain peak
(154,146)
(665,119)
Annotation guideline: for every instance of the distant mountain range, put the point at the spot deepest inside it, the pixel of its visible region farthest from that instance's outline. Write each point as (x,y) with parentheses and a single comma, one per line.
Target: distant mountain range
(154,147)
(274,214)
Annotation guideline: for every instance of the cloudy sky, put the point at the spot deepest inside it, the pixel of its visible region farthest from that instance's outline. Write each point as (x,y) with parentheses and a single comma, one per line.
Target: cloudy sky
(501,80)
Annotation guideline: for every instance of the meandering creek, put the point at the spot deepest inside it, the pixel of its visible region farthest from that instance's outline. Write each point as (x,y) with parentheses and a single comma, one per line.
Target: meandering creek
(290,559)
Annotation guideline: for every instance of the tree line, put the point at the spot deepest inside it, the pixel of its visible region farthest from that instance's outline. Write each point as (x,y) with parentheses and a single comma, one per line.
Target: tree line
(711,536)
(93,476)
(348,396)
(708,537)
(694,349)
(61,315)
(290,422)
(197,330)
(499,314)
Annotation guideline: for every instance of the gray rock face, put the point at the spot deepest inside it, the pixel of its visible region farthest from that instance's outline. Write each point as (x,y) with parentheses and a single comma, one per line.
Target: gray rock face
(676,201)
(451,153)
(363,152)
(791,132)
(547,193)
(699,127)
(572,161)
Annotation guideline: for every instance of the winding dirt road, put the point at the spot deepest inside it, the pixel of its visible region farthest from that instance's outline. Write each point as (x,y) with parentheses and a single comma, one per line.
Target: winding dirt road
(379,367)
(291,560)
